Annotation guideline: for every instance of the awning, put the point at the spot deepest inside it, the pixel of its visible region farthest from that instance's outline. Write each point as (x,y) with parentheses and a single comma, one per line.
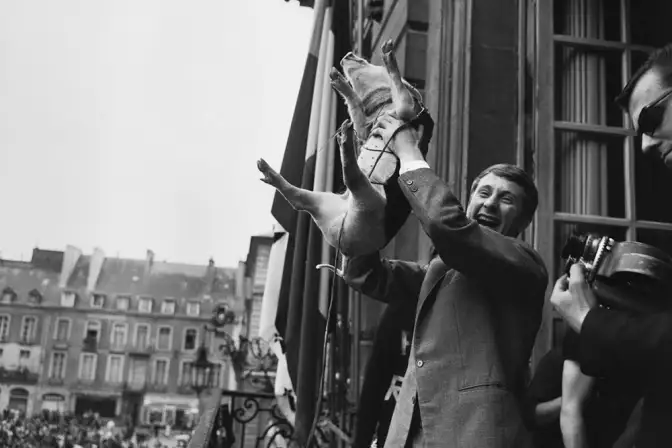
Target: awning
(170,400)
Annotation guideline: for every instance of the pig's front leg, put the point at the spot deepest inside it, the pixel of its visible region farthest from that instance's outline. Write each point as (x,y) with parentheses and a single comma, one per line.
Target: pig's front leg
(300,199)
(404,104)
(354,103)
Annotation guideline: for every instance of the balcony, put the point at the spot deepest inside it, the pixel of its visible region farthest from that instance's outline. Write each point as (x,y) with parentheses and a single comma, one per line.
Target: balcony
(18,376)
(140,349)
(185,389)
(61,345)
(158,388)
(117,347)
(55,381)
(135,386)
(27,341)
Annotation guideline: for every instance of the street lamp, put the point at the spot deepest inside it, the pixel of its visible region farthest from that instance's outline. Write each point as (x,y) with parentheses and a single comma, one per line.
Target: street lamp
(204,374)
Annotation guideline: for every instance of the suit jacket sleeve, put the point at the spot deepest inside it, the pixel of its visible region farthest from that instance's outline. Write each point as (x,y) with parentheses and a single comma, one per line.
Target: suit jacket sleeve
(465,245)
(618,341)
(384,280)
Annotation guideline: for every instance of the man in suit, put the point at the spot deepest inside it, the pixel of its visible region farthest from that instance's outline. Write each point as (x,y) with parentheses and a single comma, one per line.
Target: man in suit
(616,341)
(478,304)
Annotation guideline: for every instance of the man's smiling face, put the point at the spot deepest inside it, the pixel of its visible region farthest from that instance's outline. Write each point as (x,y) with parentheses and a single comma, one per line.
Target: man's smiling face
(650,89)
(497,203)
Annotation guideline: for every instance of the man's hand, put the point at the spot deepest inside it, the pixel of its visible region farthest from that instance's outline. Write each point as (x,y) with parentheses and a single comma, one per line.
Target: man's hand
(405,142)
(573,298)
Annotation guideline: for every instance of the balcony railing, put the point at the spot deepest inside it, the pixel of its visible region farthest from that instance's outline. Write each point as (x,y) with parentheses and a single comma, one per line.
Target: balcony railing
(254,420)
(135,385)
(140,349)
(18,376)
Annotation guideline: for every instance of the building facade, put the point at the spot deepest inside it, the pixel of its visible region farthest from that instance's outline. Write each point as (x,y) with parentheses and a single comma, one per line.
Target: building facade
(532,83)
(115,336)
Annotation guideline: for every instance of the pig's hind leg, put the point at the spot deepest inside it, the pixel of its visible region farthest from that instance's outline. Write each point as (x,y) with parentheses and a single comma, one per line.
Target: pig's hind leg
(352,101)
(404,103)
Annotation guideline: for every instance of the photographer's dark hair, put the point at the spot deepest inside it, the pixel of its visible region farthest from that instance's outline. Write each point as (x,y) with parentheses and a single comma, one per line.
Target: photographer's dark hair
(660,60)
(518,176)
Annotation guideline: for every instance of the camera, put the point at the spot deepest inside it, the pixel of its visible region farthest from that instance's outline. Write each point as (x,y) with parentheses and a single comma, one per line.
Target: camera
(624,275)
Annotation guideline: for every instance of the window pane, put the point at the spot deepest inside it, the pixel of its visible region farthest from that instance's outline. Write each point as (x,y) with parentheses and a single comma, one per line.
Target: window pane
(605,16)
(564,230)
(650,22)
(662,239)
(589,176)
(653,182)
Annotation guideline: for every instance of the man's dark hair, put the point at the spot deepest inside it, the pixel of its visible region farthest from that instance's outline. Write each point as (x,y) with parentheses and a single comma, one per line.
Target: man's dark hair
(660,60)
(520,177)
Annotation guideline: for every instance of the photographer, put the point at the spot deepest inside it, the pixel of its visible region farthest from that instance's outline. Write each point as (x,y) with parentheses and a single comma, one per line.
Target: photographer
(637,346)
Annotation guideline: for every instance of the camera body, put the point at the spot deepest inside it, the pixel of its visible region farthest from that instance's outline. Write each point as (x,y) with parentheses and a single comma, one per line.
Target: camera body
(625,275)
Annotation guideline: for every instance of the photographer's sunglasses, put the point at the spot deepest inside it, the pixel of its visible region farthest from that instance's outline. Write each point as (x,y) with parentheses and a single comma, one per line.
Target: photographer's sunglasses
(651,116)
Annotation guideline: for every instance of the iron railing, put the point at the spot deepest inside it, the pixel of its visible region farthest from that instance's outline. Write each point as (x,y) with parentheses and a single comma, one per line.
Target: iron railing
(248,420)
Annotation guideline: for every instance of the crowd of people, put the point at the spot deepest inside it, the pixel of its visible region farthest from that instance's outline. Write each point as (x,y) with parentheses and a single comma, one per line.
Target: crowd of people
(56,430)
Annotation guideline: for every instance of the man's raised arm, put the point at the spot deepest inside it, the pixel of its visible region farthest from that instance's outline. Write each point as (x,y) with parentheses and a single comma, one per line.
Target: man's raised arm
(384,280)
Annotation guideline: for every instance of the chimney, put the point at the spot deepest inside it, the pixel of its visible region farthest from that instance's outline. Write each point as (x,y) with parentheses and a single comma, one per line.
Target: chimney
(95,268)
(240,281)
(149,261)
(70,259)
(210,275)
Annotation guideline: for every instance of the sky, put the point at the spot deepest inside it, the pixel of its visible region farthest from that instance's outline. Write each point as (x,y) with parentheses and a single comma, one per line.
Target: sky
(136,124)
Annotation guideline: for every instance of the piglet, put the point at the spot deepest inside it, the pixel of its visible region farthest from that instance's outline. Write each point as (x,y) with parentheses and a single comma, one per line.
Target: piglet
(366,217)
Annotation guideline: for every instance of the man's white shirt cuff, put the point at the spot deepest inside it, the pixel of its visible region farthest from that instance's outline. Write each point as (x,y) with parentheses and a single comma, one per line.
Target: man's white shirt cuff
(415,165)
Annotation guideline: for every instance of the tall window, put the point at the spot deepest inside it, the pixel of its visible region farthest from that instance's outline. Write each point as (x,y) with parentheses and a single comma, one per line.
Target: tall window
(57,366)
(590,164)
(142,336)
(62,330)
(190,339)
(137,373)
(115,369)
(160,372)
(164,338)
(87,366)
(28,328)
(185,373)
(92,331)
(118,337)
(4,327)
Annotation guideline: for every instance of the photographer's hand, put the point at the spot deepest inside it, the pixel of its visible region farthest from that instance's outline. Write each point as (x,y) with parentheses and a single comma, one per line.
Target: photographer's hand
(573,298)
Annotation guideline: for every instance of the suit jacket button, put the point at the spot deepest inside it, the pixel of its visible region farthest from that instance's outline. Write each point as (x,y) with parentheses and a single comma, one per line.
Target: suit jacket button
(409,182)
(419,363)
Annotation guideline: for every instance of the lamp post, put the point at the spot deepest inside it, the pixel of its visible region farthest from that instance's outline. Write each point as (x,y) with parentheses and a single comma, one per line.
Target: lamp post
(204,374)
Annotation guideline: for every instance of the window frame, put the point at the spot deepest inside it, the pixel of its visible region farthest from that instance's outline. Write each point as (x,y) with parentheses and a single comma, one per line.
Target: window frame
(33,336)
(168,302)
(86,328)
(166,374)
(197,304)
(118,300)
(546,127)
(125,337)
(74,299)
(69,332)
(64,368)
(142,300)
(81,366)
(92,301)
(158,338)
(149,335)
(184,339)
(108,364)
(5,337)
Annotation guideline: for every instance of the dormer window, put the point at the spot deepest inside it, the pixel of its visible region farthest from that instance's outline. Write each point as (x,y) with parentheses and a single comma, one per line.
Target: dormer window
(68,299)
(35,297)
(145,305)
(168,307)
(8,295)
(97,300)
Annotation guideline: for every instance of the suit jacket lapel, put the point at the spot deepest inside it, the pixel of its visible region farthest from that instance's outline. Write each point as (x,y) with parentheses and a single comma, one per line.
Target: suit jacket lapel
(435,274)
